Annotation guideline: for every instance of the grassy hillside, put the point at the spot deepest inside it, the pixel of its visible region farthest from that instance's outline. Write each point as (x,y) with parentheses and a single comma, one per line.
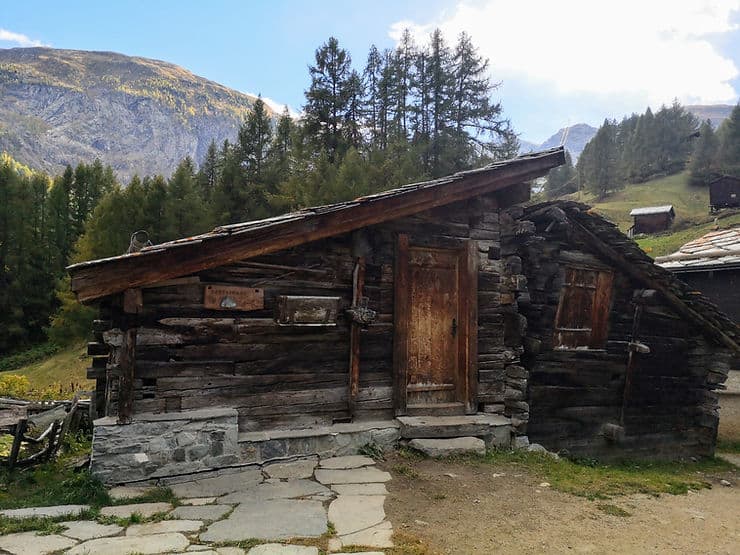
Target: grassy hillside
(59,375)
(690,203)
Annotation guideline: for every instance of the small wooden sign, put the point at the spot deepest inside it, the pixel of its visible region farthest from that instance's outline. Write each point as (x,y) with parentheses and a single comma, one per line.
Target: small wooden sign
(225,297)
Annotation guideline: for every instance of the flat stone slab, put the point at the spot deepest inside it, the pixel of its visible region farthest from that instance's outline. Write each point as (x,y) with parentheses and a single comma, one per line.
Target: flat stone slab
(141,545)
(230,551)
(198,501)
(143,509)
(291,470)
(282,549)
(29,543)
(377,536)
(89,529)
(732,458)
(434,427)
(278,490)
(163,527)
(352,513)
(54,512)
(360,489)
(449,447)
(271,519)
(219,485)
(128,492)
(354,476)
(201,512)
(344,463)
(362,553)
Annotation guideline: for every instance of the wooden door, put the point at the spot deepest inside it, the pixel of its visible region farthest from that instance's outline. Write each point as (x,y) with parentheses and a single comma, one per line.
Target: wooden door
(435,369)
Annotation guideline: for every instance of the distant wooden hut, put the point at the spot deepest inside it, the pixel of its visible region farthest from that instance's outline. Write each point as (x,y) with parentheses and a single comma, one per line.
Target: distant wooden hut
(652,219)
(724,192)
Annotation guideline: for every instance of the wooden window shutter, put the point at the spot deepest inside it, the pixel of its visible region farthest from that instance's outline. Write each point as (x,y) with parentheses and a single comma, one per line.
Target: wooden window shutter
(582,317)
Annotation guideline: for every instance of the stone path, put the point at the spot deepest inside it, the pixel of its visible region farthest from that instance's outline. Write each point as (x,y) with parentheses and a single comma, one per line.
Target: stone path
(304,498)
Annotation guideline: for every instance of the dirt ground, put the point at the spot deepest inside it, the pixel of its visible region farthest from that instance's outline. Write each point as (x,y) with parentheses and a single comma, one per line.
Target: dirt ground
(729,417)
(466,508)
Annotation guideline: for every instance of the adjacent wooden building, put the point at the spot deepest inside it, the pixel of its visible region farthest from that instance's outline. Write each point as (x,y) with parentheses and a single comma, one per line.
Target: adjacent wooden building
(444,304)
(652,219)
(724,192)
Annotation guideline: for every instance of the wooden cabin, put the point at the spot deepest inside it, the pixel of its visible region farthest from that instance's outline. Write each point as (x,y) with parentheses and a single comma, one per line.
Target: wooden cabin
(438,309)
(724,192)
(652,219)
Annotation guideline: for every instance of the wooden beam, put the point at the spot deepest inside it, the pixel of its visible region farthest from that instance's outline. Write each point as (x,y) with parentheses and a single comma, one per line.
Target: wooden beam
(126,379)
(470,306)
(401,311)
(358,283)
(102,278)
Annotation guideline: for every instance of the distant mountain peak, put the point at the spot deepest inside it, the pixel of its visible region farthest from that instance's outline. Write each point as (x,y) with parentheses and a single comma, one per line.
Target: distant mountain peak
(139,115)
(573,137)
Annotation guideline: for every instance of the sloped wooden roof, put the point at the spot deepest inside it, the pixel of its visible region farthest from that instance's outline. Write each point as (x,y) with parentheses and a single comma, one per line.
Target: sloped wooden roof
(229,243)
(623,253)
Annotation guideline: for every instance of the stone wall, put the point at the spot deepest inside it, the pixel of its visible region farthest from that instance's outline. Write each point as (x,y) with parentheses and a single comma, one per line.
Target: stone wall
(157,445)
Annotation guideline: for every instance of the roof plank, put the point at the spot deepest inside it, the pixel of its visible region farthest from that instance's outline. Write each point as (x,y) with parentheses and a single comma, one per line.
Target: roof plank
(226,244)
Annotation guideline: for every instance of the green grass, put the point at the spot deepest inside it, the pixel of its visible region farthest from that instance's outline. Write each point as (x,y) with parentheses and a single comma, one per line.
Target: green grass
(613,510)
(600,481)
(690,203)
(58,375)
(728,446)
(52,483)
(663,244)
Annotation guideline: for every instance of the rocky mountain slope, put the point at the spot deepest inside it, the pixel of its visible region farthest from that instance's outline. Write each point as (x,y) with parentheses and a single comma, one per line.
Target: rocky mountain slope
(716,113)
(576,137)
(143,116)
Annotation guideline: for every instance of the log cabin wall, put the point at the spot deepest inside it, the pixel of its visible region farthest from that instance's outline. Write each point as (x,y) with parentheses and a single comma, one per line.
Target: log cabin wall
(577,399)
(190,357)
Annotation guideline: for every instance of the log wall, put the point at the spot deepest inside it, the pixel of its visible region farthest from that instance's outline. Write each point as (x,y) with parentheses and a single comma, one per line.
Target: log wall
(577,400)
(189,357)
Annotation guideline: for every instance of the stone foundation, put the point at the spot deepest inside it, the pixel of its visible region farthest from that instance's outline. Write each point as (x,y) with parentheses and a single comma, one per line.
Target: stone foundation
(324,441)
(153,446)
(157,446)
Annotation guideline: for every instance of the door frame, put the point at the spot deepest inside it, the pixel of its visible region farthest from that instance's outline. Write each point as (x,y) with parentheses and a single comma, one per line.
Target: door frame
(467,335)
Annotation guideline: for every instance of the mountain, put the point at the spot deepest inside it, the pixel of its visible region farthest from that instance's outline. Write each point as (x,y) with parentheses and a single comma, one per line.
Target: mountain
(576,137)
(142,116)
(716,113)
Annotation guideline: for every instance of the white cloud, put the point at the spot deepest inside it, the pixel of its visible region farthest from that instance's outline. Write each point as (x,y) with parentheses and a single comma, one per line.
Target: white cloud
(18,39)
(653,49)
(276,106)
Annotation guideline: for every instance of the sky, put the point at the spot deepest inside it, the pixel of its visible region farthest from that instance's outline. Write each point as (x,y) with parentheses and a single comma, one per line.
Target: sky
(559,63)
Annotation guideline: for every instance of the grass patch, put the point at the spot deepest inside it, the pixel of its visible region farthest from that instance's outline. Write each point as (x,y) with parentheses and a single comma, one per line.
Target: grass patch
(154,495)
(728,446)
(613,510)
(43,525)
(601,481)
(405,470)
(57,376)
(52,483)
(29,356)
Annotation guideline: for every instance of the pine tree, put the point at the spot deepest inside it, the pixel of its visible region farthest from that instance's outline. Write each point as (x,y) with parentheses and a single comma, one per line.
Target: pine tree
(208,172)
(254,141)
(184,211)
(704,156)
(328,99)
(729,150)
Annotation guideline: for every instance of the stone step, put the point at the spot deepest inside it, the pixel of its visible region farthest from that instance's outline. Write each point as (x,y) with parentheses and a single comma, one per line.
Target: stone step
(494,429)
(436,409)
(449,447)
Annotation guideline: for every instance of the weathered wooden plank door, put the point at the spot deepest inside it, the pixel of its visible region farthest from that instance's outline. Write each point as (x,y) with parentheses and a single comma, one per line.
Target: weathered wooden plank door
(433,330)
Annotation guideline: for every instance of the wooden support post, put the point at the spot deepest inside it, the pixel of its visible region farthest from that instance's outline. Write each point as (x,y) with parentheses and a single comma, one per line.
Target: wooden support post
(20,430)
(358,283)
(126,379)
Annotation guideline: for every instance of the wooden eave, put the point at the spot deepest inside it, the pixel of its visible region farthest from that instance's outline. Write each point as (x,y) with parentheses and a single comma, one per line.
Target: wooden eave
(227,244)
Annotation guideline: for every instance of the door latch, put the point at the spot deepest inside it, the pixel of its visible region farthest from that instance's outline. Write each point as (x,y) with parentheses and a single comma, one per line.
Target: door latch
(454,327)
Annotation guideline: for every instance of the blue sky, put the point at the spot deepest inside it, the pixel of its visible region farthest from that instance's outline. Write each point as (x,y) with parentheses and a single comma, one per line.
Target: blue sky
(560,62)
